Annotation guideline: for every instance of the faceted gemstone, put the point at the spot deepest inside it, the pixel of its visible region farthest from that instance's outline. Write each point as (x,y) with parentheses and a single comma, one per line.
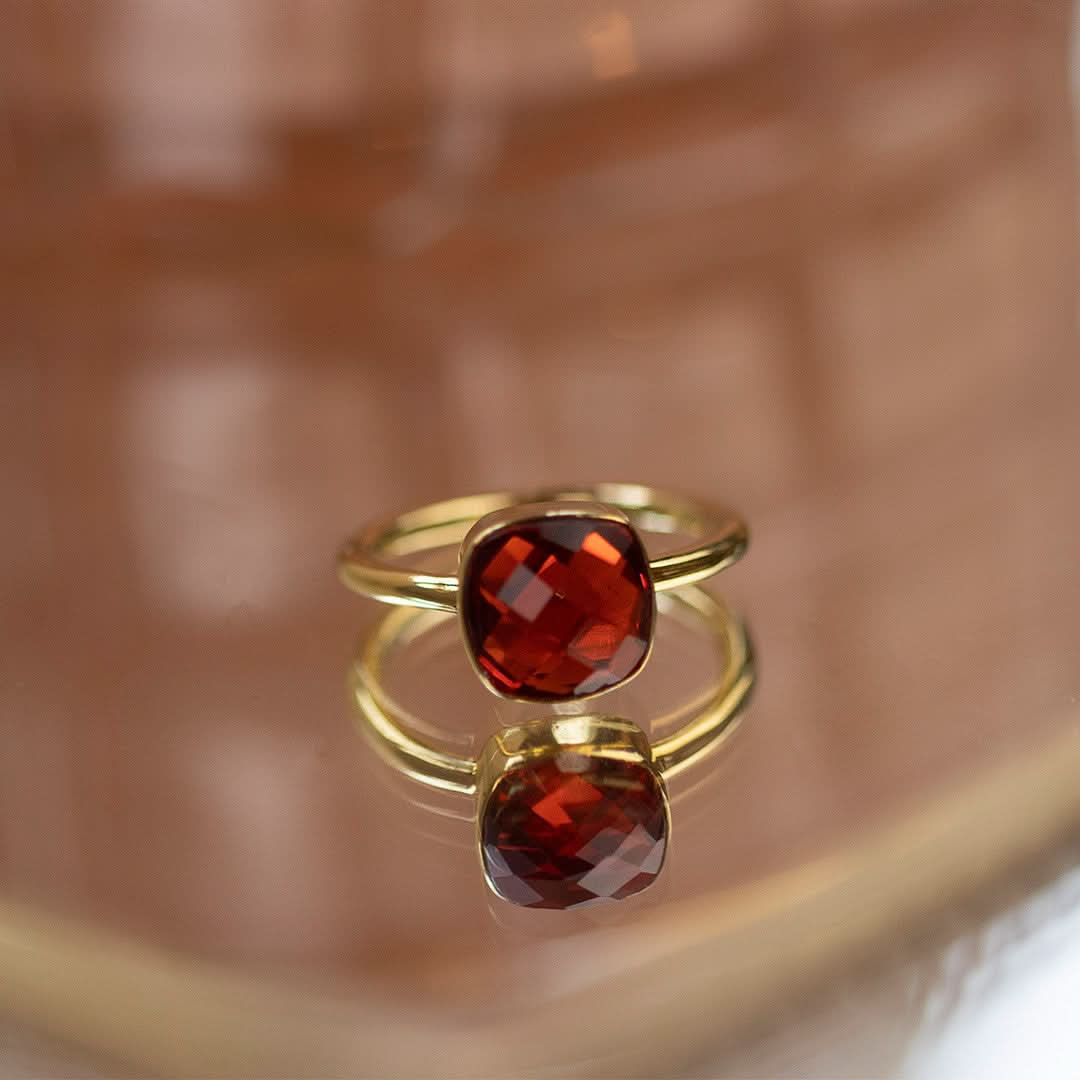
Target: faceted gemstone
(572,829)
(558,607)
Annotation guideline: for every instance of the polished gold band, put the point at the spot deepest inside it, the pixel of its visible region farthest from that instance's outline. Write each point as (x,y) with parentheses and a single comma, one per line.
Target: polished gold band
(702,723)
(721,537)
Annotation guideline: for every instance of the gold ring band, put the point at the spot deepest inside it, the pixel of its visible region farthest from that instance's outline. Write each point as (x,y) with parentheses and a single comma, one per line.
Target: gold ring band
(625,773)
(555,591)
(389,727)
(721,537)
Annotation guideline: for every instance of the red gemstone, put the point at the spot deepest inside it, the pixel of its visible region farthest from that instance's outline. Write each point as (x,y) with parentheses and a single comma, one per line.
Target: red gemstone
(573,829)
(558,607)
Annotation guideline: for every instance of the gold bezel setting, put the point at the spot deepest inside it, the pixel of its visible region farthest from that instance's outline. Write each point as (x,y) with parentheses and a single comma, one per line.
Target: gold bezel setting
(581,746)
(523,515)
(366,560)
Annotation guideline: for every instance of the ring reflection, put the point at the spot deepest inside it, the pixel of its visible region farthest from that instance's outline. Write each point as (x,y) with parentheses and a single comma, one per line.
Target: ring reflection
(409,677)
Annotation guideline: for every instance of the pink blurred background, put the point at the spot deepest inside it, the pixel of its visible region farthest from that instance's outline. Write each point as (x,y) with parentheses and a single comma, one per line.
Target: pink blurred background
(273,267)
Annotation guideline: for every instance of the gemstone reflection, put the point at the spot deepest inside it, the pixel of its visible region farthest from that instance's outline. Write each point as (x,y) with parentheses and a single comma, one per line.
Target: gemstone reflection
(572,829)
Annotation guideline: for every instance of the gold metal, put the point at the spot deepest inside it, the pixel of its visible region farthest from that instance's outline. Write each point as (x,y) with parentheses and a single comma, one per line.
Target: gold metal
(711,716)
(721,538)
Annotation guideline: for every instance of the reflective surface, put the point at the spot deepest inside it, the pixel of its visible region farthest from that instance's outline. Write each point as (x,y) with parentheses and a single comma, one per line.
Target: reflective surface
(816,261)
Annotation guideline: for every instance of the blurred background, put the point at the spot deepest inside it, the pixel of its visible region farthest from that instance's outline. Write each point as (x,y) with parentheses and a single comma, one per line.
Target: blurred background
(272,267)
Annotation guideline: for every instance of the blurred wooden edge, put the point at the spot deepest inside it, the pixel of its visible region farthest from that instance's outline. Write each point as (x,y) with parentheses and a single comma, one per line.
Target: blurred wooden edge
(687,974)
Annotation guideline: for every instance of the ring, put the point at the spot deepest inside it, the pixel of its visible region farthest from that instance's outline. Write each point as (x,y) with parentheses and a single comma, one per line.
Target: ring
(555,594)
(570,810)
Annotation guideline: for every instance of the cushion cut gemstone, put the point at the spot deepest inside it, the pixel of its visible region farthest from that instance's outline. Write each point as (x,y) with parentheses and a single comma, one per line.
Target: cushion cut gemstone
(572,829)
(558,607)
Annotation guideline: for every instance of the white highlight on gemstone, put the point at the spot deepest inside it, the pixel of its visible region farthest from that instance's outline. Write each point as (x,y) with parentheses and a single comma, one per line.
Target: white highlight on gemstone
(624,659)
(608,876)
(594,682)
(655,859)
(629,652)
(507,882)
(571,762)
(532,593)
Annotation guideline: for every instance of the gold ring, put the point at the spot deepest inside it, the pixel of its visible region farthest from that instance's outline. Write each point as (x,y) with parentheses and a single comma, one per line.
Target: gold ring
(554,591)
(570,809)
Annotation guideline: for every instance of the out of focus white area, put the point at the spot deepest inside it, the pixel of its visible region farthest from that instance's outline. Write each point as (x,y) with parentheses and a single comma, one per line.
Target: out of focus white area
(1014,1015)
(989,991)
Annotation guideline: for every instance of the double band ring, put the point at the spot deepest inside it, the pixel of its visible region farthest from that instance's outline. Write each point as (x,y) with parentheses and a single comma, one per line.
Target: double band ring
(554,591)
(570,810)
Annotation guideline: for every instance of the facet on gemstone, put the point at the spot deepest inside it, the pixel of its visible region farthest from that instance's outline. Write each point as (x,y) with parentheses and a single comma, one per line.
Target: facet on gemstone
(571,828)
(558,607)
